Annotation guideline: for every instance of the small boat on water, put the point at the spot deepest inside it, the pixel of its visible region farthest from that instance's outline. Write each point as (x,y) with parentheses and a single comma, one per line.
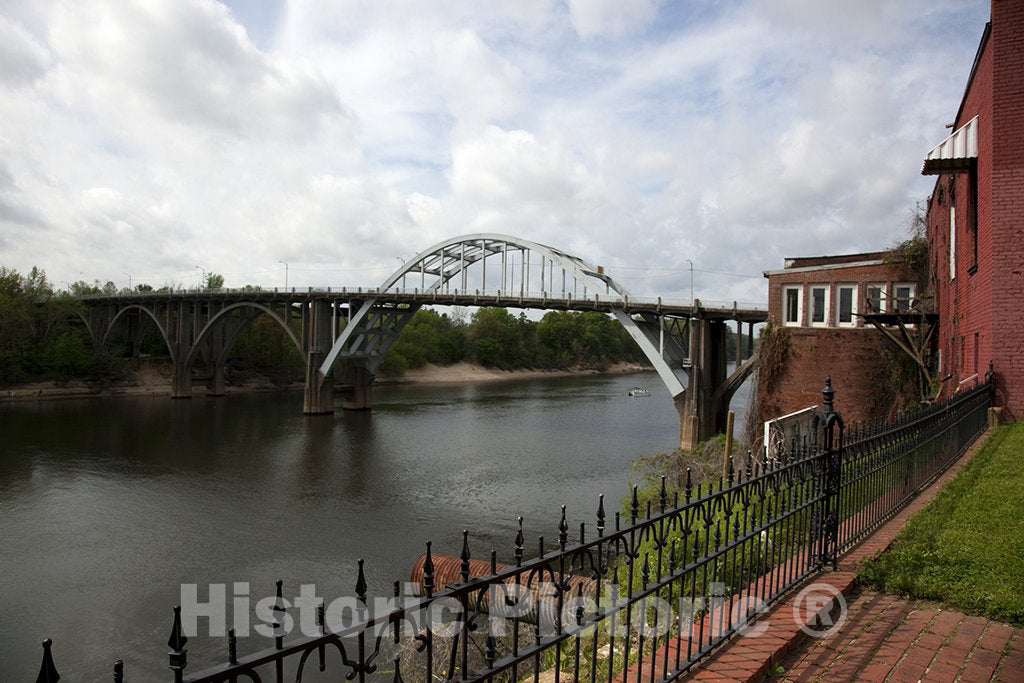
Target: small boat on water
(639,391)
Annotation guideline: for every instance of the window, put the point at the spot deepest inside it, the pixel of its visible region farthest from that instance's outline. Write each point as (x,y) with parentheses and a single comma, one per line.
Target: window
(876,298)
(904,297)
(792,301)
(952,232)
(846,310)
(819,305)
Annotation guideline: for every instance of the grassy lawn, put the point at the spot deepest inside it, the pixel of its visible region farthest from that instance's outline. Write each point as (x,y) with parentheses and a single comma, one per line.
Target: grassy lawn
(966,548)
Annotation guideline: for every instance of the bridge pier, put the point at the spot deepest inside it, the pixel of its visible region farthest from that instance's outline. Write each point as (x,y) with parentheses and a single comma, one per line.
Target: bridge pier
(361,379)
(215,361)
(181,383)
(703,407)
(318,323)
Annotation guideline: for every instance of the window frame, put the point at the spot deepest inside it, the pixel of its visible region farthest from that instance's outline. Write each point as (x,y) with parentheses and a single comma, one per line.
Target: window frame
(910,301)
(810,305)
(855,291)
(799,289)
(952,229)
(883,297)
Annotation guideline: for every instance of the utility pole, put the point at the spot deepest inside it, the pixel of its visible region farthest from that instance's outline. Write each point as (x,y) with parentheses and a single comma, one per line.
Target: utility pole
(285,274)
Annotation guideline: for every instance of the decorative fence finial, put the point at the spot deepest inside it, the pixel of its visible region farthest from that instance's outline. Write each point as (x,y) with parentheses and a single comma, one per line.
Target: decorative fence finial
(178,656)
(47,671)
(828,393)
(464,568)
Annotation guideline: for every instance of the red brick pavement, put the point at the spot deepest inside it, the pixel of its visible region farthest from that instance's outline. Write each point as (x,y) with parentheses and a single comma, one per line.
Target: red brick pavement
(888,638)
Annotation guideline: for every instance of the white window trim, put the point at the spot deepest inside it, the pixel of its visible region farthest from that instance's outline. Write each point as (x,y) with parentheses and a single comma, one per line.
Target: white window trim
(799,305)
(913,295)
(810,305)
(883,299)
(952,235)
(853,303)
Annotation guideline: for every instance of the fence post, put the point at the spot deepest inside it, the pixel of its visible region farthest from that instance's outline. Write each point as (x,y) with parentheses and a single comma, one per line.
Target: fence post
(833,462)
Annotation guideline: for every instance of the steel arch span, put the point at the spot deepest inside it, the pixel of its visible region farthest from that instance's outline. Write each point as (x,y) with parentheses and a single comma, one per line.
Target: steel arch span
(372,330)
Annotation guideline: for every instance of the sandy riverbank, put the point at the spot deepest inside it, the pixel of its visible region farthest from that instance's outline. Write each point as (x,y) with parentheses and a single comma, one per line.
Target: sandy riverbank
(153,378)
(467,372)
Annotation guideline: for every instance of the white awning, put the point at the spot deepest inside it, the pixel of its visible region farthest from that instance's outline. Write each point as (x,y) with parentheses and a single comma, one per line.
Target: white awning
(956,153)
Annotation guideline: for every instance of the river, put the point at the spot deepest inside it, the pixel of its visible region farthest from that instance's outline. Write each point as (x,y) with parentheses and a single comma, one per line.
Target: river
(108,505)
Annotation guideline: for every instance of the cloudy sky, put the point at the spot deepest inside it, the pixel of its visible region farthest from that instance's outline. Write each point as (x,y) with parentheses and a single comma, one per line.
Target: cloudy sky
(146,137)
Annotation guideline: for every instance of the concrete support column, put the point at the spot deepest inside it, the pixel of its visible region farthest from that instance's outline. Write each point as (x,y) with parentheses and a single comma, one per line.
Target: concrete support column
(700,415)
(750,339)
(181,384)
(361,380)
(739,343)
(318,395)
(215,356)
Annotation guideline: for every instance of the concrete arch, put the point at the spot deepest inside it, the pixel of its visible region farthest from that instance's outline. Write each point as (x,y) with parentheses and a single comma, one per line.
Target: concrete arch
(153,317)
(218,319)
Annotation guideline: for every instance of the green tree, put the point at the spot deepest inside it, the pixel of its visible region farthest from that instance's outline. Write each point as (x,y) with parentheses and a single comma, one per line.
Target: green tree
(213,281)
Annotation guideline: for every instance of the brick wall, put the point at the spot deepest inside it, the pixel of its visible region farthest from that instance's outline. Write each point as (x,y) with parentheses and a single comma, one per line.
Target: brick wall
(1008,202)
(857,358)
(981,311)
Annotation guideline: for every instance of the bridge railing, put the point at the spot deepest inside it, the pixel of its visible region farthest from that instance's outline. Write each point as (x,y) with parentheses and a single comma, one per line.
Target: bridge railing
(468,296)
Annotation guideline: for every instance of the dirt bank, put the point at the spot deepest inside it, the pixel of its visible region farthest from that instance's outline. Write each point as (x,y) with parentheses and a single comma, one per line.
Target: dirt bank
(467,372)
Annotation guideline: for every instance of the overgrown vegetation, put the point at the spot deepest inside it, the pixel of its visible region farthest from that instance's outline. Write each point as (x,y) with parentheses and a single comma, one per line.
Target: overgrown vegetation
(773,350)
(966,548)
(40,337)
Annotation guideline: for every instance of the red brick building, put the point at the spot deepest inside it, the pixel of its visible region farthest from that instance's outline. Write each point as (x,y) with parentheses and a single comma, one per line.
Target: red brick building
(820,301)
(976,218)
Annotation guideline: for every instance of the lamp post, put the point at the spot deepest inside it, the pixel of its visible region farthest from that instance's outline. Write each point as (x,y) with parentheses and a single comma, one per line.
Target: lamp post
(203,271)
(285,274)
(691,280)
(129,281)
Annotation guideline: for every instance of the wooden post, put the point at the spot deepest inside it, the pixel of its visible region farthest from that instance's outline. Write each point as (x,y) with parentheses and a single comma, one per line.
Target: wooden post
(728,444)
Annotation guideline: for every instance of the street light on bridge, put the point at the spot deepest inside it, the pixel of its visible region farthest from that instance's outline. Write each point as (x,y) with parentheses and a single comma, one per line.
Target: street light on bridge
(691,280)
(129,281)
(203,270)
(285,274)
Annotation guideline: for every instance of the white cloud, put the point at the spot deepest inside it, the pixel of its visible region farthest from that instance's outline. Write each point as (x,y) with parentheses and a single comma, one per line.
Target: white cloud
(592,18)
(23,58)
(152,137)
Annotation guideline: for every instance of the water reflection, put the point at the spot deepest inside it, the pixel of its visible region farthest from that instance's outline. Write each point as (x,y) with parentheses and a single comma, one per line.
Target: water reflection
(107,506)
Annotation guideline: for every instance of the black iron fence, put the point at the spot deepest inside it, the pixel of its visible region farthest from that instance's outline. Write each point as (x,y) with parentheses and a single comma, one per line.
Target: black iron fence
(638,595)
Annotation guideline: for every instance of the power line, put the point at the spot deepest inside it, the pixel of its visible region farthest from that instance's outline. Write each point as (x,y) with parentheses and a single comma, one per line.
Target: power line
(686,270)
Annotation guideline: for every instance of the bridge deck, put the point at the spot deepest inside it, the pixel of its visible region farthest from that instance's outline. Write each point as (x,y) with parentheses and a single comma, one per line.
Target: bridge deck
(606,303)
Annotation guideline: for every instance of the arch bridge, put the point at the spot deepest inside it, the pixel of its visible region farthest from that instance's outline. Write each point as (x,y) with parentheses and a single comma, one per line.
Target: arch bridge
(343,334)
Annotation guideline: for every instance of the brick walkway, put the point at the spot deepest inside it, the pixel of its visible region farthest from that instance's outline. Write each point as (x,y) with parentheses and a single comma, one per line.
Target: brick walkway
(888,638)
(915,630)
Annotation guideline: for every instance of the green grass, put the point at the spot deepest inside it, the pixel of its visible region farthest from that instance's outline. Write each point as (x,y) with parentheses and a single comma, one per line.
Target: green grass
(966,548)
